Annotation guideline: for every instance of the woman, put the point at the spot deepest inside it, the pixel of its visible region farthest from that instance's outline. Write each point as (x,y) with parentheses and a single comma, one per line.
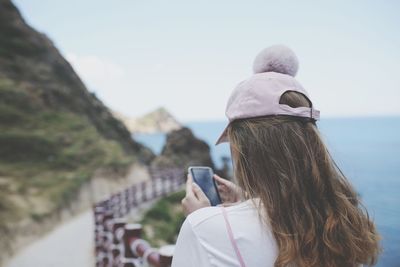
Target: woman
(298,208)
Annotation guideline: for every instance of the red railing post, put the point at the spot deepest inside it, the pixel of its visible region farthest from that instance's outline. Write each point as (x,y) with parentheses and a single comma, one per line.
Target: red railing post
(154,187)
(98,212)
(134,195)
(171,183)
(118,229)
(163,185)
(144,191)
(126,206)
(132,232)
(166,253)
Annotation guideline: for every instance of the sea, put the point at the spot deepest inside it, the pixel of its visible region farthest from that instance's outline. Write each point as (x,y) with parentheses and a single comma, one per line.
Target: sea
(366,149)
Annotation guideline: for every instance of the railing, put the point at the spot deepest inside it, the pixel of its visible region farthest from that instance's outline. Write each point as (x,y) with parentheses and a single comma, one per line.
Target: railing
(118,243)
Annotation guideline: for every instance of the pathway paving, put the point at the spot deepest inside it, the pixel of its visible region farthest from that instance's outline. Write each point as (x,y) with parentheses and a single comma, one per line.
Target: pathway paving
(71,244)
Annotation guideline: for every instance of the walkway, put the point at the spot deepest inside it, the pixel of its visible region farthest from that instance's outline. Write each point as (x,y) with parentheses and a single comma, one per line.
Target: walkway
(71,244)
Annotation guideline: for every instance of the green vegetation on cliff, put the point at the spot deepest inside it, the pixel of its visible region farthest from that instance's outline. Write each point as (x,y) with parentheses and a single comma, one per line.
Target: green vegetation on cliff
(48,154)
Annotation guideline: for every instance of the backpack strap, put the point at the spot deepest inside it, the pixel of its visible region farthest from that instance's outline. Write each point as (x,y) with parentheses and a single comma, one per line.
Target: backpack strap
(232,239)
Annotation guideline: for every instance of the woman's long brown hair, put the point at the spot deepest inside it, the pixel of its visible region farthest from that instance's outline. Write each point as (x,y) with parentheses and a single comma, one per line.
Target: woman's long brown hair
(314,213)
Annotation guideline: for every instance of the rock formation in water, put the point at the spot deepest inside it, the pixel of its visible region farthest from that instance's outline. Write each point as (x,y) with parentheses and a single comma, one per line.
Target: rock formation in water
(182,149)
(157,121)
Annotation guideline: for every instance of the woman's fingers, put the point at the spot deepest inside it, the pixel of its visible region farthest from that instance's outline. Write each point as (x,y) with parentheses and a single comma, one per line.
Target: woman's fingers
(224,185)
(224,182)
(192,189)
(195,197)
(221,180)
(199,193)
(189,185)
(229,192)
(221,188)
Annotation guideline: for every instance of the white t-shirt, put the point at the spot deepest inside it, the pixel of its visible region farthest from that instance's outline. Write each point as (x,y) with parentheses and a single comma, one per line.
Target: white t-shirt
(204,241)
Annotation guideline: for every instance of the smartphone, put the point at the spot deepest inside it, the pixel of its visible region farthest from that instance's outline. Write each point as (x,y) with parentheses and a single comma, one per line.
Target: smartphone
(203,177)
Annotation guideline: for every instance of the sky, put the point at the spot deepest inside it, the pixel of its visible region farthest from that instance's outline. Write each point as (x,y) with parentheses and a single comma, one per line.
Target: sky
(188,56)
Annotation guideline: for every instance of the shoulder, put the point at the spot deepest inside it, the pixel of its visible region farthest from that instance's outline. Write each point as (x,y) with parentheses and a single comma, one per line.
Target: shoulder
(210,219)
(203,215)
(208,214)
(200,222)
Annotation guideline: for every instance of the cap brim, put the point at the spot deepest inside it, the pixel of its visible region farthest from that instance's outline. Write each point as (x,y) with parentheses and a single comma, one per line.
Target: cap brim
(224,137)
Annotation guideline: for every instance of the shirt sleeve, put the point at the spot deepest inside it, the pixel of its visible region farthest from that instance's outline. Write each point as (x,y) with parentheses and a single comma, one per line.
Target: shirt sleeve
(188,249)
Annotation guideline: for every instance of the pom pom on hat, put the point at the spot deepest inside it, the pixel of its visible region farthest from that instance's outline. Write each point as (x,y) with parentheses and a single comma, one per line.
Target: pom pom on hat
(277,58)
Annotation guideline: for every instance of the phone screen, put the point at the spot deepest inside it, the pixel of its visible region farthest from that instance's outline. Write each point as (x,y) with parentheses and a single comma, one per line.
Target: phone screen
(203,176)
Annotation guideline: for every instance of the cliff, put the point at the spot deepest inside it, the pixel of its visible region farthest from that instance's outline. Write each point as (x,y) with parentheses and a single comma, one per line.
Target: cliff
(39,79)
(54,134)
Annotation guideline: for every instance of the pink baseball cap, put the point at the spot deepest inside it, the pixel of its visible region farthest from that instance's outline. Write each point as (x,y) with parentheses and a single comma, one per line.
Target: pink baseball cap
(274,70)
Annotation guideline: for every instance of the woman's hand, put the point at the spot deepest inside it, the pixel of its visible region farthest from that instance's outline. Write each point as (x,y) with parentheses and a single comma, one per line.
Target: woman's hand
(228,191)
(195,198)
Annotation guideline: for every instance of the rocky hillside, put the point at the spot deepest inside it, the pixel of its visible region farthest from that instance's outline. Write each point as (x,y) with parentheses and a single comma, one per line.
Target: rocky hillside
(53,133)
(35,70)
(157,121)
